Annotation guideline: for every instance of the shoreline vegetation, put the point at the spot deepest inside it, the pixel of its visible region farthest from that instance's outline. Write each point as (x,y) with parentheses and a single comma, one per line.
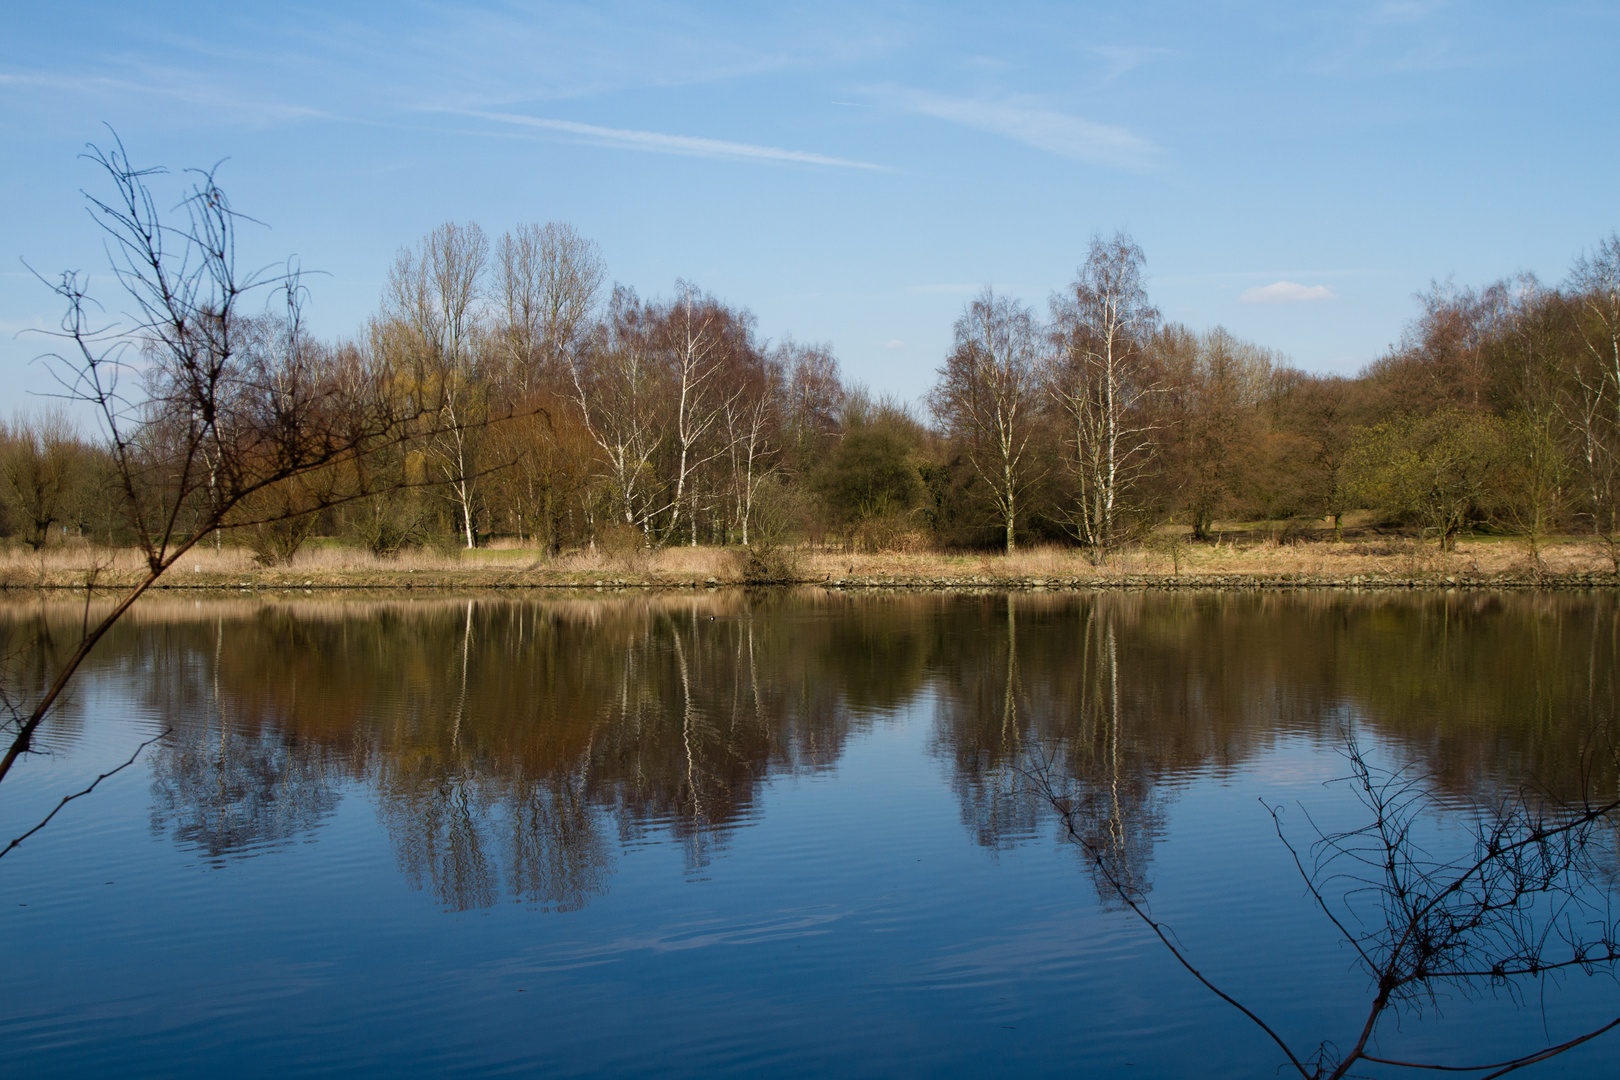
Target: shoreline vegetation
(507,420)
(1240,558)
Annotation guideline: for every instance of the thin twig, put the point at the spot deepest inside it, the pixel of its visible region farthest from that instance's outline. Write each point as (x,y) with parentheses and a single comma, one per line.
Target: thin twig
(1502,1067)
(1096,855)
(81,794)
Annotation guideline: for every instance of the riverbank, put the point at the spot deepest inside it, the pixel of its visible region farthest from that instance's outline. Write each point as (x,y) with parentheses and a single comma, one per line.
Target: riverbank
(1397,563)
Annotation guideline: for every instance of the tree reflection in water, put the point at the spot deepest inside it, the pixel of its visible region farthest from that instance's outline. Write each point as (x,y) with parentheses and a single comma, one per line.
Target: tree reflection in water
(224,789)
(509,747)
(1119,698)
(1052,703)
(512,745)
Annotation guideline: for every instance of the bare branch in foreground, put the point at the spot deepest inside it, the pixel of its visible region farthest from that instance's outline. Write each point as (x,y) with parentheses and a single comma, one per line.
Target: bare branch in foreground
(81,794)
(1095,853)
(1519,906)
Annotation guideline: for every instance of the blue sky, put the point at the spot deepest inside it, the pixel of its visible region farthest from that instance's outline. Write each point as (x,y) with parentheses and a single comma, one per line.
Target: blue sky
(850,173)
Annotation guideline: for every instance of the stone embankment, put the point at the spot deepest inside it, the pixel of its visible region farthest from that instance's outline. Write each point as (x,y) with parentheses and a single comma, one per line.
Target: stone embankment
(485,578)
(1239,581)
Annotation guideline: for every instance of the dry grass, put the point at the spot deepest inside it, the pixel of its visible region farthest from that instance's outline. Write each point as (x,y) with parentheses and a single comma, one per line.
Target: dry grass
(227,561)
(1403,558)
(1244,555)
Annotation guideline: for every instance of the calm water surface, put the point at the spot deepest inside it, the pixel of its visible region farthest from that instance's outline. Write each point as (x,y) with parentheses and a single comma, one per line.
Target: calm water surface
(743,835)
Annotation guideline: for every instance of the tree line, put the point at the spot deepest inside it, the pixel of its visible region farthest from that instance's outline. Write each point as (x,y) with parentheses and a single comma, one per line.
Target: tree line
(529,400)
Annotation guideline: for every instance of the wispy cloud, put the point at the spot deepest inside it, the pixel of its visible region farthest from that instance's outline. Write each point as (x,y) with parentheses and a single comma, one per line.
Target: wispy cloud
(1401,37)
(1123,59)
(1407,10)
(1045,129)
(952,289)
(1286,292)
(483,55)
(660,143)
(165,84)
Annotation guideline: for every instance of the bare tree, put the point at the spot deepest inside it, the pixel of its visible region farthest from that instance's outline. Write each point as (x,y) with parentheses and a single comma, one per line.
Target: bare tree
(42,467)
(214,423)
(435,292)
(1441,359)
(548,278)
(697,346)
(1103,379)
(1325,418)
(987,395)
(654,389)
(1596,278)
(752,421)
(1535,482)
(1594,411)
(1220,386)
(616,386)
(813,396)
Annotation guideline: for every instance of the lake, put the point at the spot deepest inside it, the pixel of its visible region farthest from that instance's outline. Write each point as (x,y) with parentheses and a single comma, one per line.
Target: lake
(796,833)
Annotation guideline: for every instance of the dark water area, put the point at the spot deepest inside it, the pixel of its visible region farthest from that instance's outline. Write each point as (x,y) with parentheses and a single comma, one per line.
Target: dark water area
(786,834)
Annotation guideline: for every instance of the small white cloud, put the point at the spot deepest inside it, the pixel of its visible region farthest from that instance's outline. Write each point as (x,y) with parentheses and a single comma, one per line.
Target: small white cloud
(1286,292)
(895,344)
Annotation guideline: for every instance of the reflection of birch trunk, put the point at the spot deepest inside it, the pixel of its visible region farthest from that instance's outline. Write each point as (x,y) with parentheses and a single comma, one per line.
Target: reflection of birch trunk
(633,721)
(753,672)
(1009,705)
(1116,822)
(688,718)
(1107,798)
(1087,713)
(219,718)
(461,702)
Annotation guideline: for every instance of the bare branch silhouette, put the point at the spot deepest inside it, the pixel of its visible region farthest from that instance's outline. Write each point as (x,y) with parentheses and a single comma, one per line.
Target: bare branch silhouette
(1520,905)
(46,820)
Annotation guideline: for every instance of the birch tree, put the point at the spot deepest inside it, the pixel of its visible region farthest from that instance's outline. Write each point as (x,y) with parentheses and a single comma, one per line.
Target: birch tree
(987,395)
(1595,409)
(615,383)
(1102,381)
(752,421)
(696,340)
